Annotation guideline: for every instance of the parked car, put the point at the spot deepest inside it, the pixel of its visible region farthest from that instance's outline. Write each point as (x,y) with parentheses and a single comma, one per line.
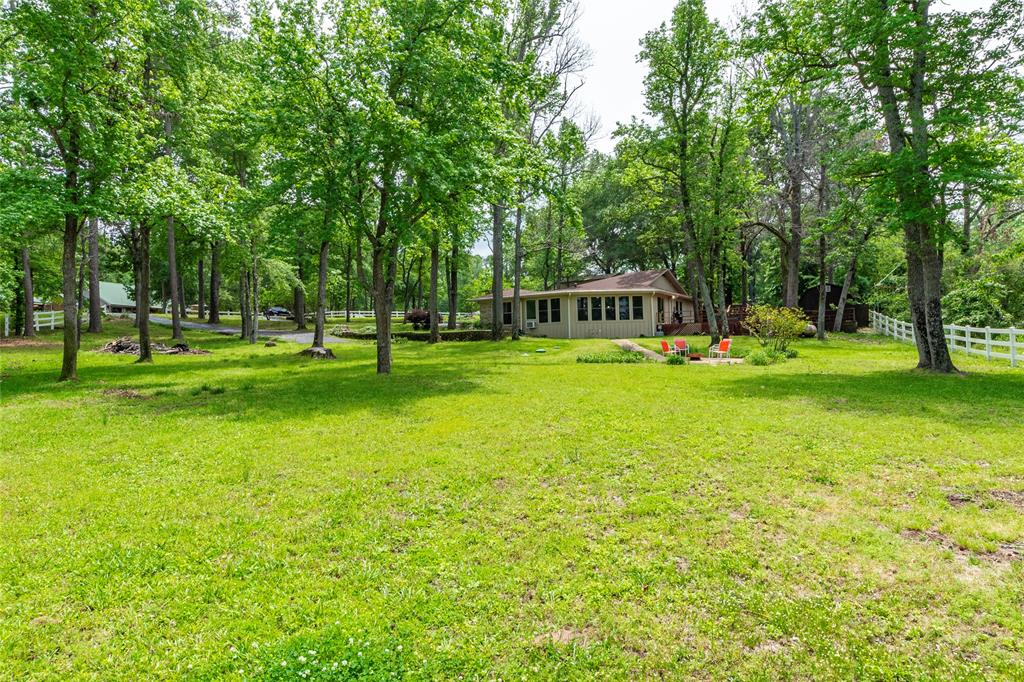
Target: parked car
(278,311)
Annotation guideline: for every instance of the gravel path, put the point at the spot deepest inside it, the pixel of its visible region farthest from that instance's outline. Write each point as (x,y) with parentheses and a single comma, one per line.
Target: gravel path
(626,344)
(305,338)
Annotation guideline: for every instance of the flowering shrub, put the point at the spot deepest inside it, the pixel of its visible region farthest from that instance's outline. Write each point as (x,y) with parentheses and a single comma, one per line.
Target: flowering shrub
(775,328)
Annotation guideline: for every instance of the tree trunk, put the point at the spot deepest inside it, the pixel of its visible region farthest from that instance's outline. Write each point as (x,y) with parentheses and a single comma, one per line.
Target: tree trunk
(435,315)
(172,267)
(517,284)
(135,237)
(822,287)
(791,290)
(83,264)
(299,292)
(498,279)
(142,293)
(29,328)
(254,328)
(17,327)
(181,298)
(851,272)
(453,283)
(215,282)
(69,365)
(718,263)
(385,269)
(95,303)
(202,285)
(915,292)
(931,262)
(243,302)
(321,296)
(348,283)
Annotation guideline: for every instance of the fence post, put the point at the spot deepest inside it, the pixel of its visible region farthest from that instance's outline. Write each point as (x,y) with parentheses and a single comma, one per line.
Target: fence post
(7,325)
(1013,346)
(53,320)
(988,343)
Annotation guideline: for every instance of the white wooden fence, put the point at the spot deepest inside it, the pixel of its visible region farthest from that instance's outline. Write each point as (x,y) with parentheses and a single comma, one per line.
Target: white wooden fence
(337,314)
(43,319)
(989,343)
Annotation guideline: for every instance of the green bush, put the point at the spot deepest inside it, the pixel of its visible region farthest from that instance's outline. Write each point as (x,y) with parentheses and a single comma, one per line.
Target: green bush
(677,360)
(622,357)
(790,353)
(775,327)
(762,357)
(977,303)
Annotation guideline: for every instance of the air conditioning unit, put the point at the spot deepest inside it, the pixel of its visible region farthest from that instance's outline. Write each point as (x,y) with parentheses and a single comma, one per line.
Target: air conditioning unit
(531,324)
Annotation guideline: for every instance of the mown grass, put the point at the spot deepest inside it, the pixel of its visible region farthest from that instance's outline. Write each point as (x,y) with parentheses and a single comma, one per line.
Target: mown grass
(502,513)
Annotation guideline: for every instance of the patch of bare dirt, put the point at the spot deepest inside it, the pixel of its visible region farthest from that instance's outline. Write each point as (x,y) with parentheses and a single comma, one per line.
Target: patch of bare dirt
(567,636)
(1014,498)
(128,346)
(959,500)
(21,342)
(126,393)
(774,646)
(1006,551)
(39,621)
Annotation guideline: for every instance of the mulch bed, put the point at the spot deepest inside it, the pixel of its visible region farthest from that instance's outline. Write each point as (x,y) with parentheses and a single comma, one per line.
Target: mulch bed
(128,346)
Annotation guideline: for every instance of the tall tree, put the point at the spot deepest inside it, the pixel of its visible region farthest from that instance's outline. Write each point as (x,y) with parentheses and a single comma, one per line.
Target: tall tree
(686,60)
(69,59)
(928,80)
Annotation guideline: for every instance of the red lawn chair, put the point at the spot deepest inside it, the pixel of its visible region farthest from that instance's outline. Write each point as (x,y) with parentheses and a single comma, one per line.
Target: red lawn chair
(667,349)
(721,350)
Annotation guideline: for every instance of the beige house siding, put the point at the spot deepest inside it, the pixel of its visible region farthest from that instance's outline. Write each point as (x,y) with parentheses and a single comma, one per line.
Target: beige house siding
(653,288)
(571,327)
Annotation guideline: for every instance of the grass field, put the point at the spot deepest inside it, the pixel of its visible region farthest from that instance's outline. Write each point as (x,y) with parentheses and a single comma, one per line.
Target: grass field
(493,512)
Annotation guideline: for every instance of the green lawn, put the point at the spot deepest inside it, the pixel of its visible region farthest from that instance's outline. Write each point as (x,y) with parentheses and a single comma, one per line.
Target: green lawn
(494,512)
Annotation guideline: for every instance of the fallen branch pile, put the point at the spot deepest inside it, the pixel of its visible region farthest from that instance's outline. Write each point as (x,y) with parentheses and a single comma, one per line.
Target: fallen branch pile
(128,346)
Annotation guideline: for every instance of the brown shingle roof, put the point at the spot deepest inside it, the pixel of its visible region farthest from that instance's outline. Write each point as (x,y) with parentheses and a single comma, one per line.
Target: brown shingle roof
(628,281)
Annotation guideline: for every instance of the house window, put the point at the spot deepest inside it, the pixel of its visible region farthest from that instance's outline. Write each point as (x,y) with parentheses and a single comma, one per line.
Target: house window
(623,307)
(661,310)
(543,311)
(506,311)
(609,308)
(556,310)
(582,310)
(595,309)
(638,307)
(531,310)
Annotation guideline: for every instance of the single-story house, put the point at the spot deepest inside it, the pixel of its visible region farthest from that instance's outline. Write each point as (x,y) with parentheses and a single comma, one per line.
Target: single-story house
(114,299)
(621,306)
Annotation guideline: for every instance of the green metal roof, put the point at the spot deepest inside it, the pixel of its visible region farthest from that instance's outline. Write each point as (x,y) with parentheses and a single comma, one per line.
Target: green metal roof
(114,294)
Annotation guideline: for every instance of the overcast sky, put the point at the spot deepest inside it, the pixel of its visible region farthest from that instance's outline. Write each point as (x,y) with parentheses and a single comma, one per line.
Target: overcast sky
(613,91)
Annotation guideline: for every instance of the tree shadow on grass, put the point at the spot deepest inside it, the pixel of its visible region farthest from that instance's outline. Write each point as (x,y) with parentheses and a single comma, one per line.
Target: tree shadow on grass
(268,384)
(975,400)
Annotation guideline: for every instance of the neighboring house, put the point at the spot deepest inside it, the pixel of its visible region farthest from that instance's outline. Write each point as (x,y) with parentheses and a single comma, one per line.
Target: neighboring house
(622,306)
(114,299)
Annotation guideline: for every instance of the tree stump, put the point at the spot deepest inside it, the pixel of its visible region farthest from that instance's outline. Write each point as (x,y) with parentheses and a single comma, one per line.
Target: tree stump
(318,353)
